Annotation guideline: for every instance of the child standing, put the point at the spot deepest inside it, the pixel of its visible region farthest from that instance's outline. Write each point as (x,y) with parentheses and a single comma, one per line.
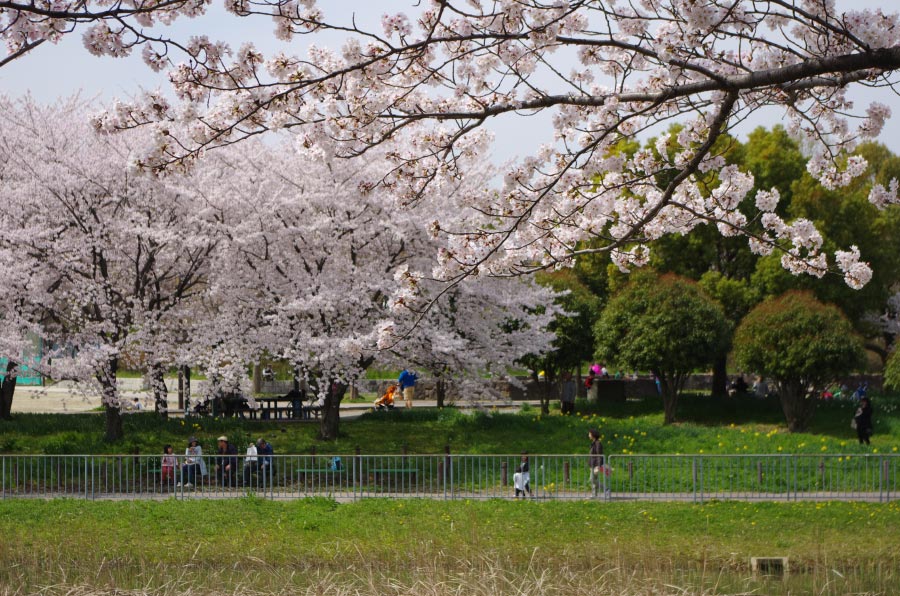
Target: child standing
(522,478)
(169,461)
(519,482)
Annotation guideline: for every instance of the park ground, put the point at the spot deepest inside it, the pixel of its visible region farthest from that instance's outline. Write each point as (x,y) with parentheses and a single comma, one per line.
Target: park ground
(706,425)
(498,547)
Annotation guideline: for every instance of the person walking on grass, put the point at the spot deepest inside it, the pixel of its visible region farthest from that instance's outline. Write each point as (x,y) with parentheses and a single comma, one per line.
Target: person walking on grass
(862,421)
(595,462)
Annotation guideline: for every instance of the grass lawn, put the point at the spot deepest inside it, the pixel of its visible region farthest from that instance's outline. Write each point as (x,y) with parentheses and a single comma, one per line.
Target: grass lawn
(128,545)
(707,426)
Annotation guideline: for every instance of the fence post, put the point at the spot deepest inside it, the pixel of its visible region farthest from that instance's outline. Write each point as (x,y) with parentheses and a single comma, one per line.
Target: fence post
(694,476)
(882,479)
(566,472)
(448,472)
(504,473)
(794,465)
(822,473)
(357,463)
(759,473)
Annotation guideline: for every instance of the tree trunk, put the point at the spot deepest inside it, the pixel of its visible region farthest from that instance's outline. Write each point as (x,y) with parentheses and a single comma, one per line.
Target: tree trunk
(796,403)
(184,388)
(7,389)
(548,392)
(440,392)
(669,389)
(329,428)
(110,393)
(257,378)
(160,391)
(720,376)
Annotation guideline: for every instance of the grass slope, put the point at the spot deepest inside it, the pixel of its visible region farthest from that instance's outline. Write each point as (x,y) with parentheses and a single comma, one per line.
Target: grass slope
(707,426)
(122,543)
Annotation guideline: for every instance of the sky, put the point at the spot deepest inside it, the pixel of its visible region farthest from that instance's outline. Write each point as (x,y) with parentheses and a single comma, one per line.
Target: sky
(60,70)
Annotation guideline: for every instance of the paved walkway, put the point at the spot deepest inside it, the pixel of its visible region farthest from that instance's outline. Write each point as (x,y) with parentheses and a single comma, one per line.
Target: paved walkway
(66,397)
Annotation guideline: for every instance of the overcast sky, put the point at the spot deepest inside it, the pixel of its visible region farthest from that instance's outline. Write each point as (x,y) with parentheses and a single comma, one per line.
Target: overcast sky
(60,70)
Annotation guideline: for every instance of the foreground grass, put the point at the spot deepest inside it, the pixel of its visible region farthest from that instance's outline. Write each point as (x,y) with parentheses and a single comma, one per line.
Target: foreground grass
(707,425)
(215,545)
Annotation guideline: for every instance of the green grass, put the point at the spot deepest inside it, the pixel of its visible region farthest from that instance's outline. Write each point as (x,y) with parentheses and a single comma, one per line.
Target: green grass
(707,426)
(85,540)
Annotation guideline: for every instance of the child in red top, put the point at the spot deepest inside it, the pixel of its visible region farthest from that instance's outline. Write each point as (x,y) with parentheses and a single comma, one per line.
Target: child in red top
(169,461)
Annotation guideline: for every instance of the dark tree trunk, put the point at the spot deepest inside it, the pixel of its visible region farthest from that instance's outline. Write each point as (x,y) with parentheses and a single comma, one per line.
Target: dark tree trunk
(720,376)
(329,427)
(548,392)
(7,389)
(160,392)
(796,403)
(440,391)
(114,429)
(670,388)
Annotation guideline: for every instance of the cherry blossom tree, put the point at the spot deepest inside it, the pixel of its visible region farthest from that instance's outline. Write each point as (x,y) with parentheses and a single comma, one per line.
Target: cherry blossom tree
(471,334)
(329,274)
(111,27)
(307,269)
(425,86)
(104,259)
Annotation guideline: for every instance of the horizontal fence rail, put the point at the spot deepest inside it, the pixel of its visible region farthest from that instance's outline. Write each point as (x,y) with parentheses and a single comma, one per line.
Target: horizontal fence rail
(693,478)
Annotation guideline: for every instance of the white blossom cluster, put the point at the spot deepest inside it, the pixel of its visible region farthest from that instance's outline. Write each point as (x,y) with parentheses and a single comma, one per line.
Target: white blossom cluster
(422,86)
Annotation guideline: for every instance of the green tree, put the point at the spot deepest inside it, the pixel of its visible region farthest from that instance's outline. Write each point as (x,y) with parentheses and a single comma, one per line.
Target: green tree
(664,324)
(846,217)
(803,345)
(892,371)
(737,297)
(724,265)
(574,343)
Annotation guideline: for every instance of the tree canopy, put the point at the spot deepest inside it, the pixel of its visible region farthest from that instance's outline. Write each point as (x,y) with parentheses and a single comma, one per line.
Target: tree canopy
(803,345)
(665,324)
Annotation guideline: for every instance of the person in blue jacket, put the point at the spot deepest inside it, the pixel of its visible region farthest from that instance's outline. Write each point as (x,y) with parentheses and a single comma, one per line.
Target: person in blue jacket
(407,381)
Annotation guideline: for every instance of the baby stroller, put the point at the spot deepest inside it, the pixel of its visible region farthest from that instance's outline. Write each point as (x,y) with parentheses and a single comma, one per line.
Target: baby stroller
(386,401)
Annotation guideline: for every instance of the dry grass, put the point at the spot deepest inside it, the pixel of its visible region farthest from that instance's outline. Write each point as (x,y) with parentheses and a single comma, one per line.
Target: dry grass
(444,576)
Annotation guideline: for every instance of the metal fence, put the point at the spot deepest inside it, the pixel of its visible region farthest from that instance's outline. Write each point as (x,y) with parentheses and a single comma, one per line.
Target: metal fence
(695,478)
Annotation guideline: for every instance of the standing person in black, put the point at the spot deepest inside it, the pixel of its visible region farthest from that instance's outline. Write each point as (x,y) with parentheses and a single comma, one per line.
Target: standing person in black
(596,462)
(863,421)
(226,463)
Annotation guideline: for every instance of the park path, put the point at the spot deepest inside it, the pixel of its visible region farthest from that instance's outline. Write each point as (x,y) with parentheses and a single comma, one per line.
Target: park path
(66,398)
